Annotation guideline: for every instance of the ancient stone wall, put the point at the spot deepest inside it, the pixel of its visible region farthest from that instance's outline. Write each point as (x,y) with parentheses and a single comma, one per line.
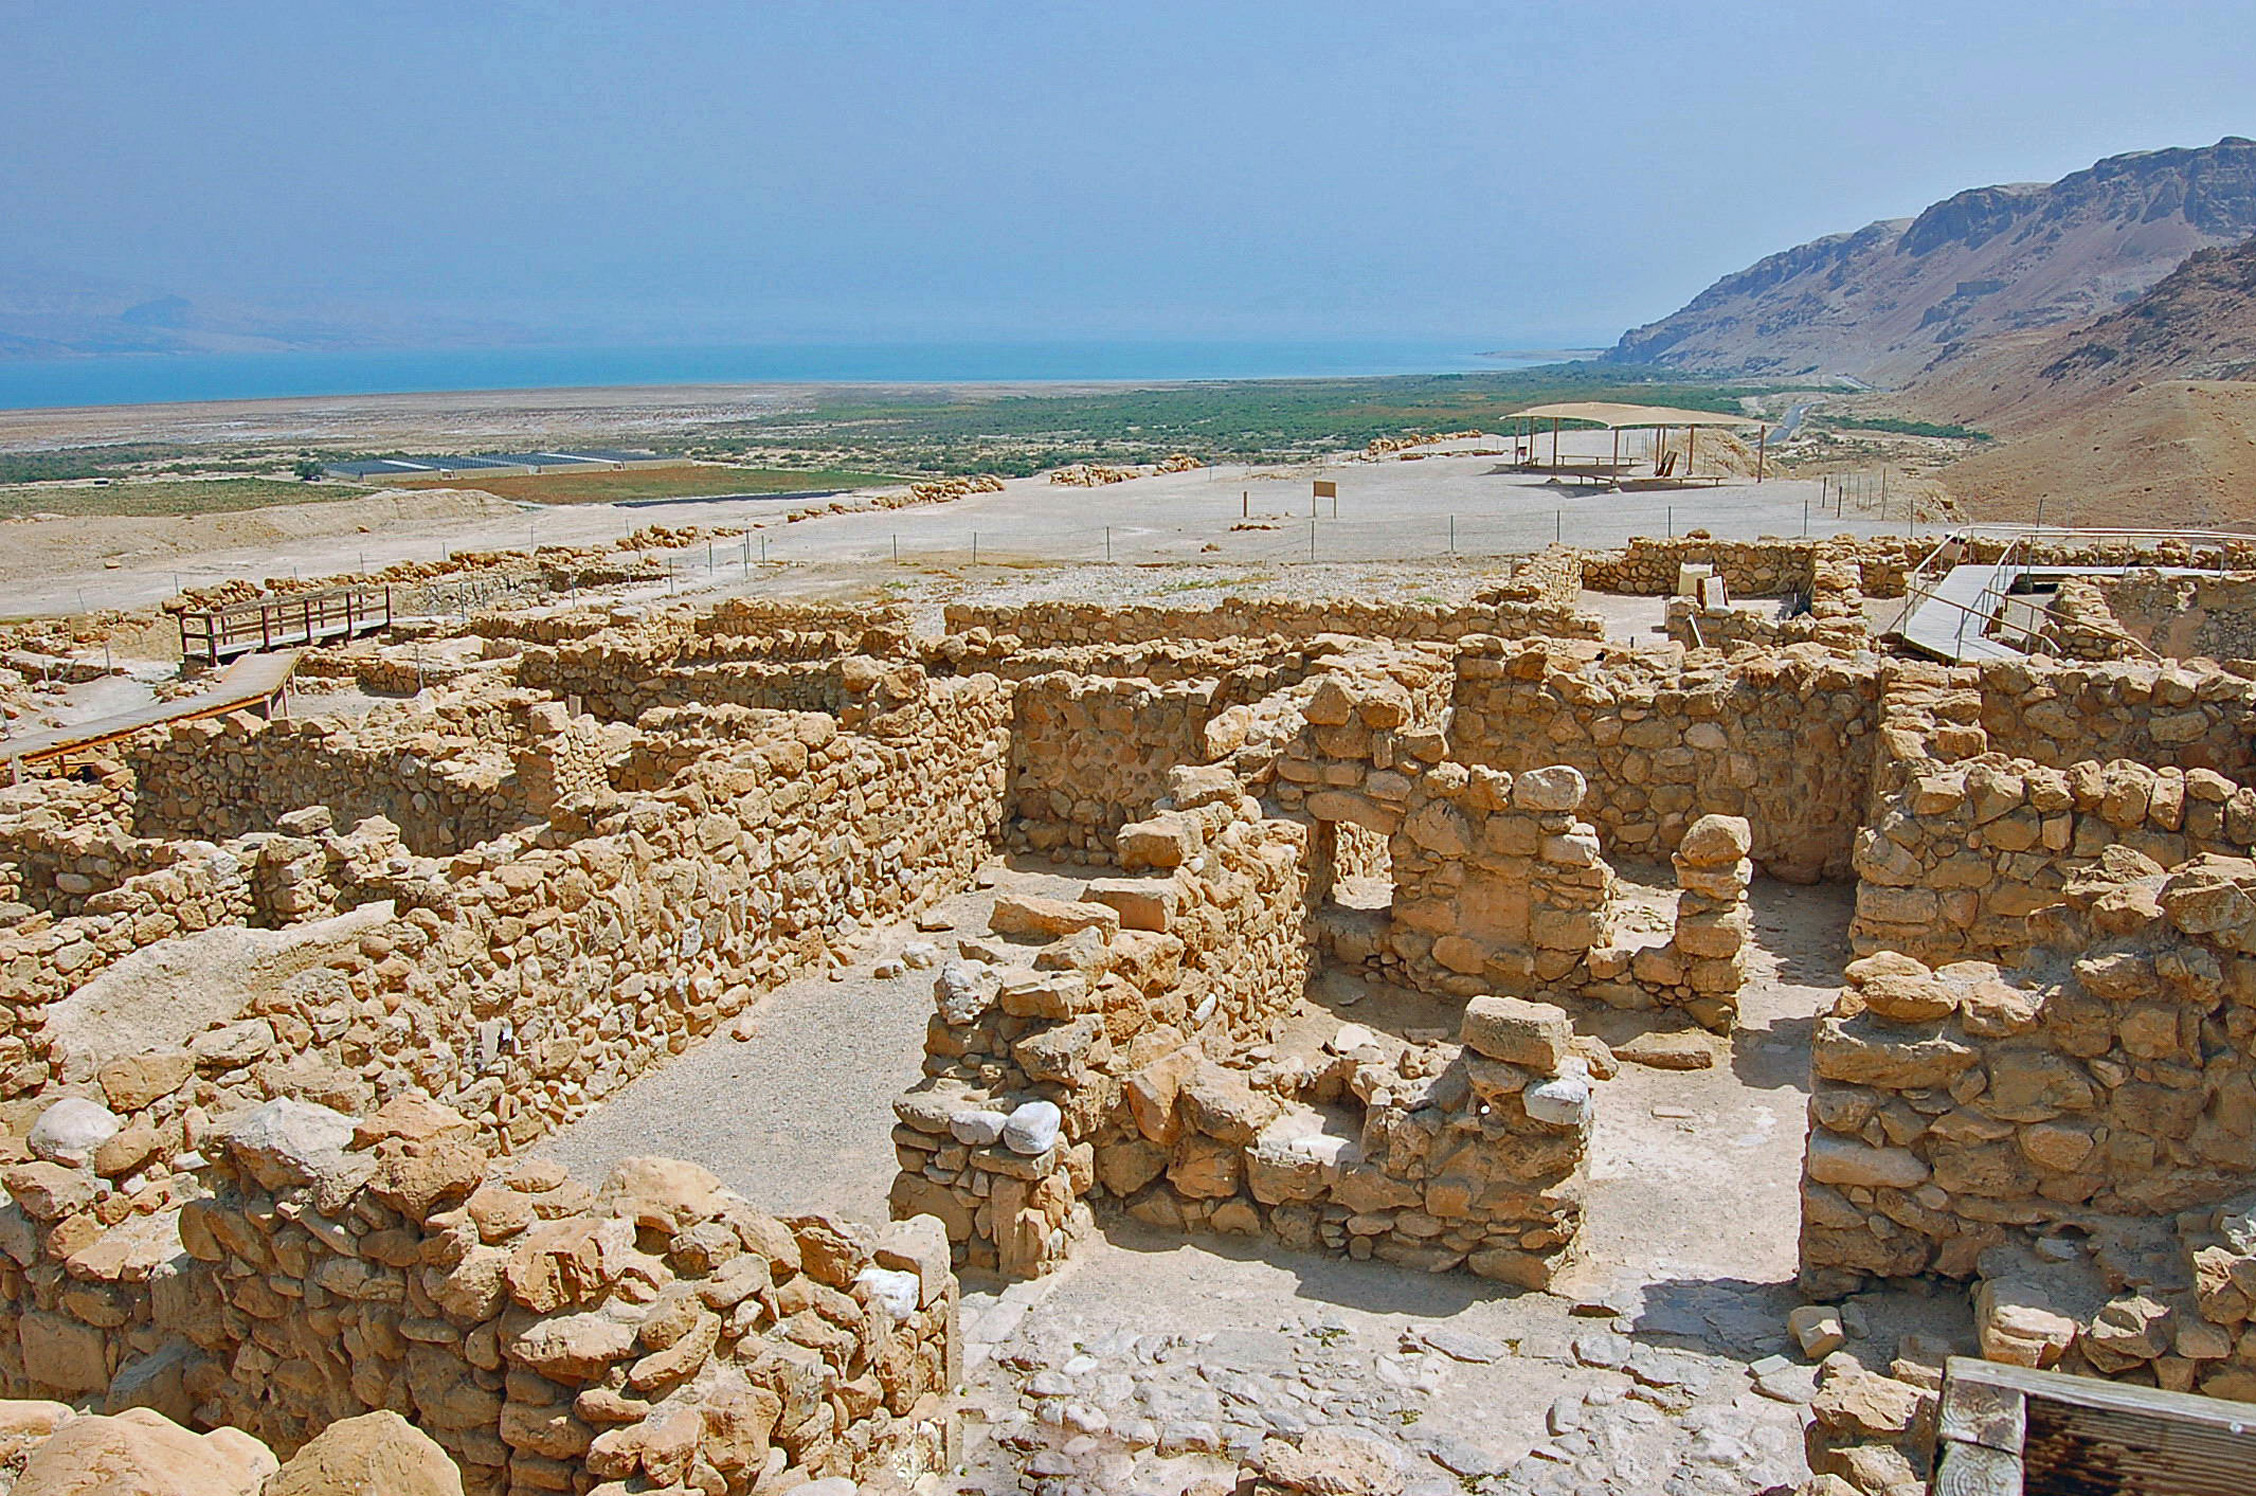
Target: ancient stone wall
(1090,754)
(2096,1109)
(1038,1031)
(1425,1153)
(1965,842)
(62,842)
(1787,741)
(524,979)
(1041,625)
(305,1267)
(1750,568)
(2183,716)
(2211,616)
(444,771)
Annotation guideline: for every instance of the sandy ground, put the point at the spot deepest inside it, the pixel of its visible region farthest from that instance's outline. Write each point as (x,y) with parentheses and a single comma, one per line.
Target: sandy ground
(1643,1371)
(443,420)
(1446,511)
(2171,455)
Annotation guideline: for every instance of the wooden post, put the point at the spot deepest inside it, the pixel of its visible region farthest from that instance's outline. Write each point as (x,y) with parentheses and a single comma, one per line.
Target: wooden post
(1762,448)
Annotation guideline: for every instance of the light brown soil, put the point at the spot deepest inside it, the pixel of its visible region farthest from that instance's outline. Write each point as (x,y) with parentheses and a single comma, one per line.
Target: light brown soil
(2170,455)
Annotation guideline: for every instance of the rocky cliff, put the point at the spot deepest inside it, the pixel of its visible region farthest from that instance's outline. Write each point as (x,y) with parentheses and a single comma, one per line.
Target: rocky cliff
(1885,302)
(2198,323)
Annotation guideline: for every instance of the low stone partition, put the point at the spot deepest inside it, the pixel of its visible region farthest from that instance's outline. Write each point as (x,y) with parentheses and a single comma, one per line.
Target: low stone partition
(62,843)
(1039,1030)
(1050,624)
(1785,741)
(444,768)
(2210,616)
(2187,716)
(1732,629)
(303,1267)
(1648,567)
(1431,1155)
(2078,1135)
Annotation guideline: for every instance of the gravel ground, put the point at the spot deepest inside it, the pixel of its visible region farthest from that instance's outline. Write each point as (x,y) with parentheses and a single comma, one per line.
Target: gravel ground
(797,1116)
(1660,1363)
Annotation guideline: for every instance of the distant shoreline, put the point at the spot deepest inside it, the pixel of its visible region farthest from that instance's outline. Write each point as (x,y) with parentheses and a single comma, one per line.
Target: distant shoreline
(168,380)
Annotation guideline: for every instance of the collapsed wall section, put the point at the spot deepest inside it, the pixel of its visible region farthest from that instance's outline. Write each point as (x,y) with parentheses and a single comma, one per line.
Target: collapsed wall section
(2079,1135)
(1114,1061)
(659,1330)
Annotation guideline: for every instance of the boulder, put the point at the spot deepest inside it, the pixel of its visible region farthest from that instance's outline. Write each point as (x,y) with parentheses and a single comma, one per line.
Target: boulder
(1553,791)
(68,1132)
(663,1193)
(1032,1130)
(376,1454)
(144,1453)
(1683,1049)
(285,1142)
(1716,841)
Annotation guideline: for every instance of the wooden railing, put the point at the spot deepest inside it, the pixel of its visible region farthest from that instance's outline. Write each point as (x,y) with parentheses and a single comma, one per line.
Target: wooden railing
(218,634)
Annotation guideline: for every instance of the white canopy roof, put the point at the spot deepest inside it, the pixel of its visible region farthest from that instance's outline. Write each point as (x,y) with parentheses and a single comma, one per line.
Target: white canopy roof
(1617,417)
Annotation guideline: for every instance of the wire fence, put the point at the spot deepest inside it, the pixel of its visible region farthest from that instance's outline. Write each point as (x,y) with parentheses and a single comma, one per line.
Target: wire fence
(1866,501)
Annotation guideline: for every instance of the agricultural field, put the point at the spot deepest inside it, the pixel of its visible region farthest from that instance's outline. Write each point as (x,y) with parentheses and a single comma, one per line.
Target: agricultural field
(609,487)
(145,497)
(1020,433)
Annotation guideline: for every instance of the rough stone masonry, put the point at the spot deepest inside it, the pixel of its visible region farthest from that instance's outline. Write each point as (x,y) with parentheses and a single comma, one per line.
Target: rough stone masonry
(285,1004)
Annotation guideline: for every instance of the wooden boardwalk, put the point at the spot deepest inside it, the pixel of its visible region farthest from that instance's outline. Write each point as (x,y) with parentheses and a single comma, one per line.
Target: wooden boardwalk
(218,634)
(256,683)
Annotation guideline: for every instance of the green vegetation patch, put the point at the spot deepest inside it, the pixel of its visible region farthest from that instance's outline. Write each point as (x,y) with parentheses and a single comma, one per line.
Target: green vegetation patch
(609,487)
(1019,434)
(1895,427)
(155,497)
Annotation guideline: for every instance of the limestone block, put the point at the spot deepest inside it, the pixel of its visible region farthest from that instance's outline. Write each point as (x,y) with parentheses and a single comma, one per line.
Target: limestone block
(1555,790)
(374,1452)
(143,1453)
(1834,1159)
(69,1131)
(1048,919)
(1142,903)
(1715,841)
(1518,1032)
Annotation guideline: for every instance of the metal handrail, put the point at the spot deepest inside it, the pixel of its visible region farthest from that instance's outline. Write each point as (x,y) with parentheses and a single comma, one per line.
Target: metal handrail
(1998,620)
(1994,620)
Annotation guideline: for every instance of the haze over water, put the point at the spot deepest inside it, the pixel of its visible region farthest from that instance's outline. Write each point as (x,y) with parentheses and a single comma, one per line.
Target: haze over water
(33,384)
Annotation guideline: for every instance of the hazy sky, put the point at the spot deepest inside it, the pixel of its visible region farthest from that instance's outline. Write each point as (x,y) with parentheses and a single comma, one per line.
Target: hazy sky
(864,169)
